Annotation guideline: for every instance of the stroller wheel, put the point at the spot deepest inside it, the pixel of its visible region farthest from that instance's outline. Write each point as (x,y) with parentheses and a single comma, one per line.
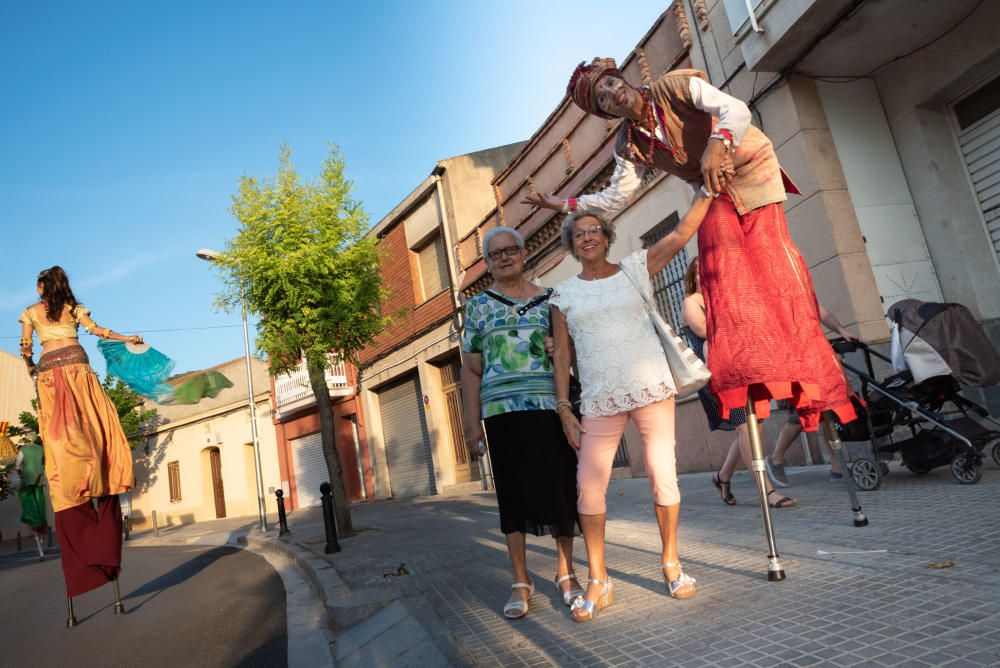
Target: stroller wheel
(996,453)
(965,470)
(866,474)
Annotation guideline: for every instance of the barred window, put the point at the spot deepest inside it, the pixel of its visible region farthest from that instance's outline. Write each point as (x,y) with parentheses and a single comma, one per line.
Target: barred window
(668,284)
(174,474)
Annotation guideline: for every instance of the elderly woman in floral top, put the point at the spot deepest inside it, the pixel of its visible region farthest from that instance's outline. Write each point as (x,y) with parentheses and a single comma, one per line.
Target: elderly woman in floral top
(507,386)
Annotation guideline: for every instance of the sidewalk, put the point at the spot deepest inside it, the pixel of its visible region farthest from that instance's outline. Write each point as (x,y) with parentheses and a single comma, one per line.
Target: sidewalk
(424,580)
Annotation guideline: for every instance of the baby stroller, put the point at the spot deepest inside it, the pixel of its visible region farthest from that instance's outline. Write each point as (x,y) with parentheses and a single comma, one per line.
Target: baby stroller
(935,349)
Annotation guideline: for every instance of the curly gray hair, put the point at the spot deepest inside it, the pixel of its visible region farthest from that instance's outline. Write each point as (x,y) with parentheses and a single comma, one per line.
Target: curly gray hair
(568,226)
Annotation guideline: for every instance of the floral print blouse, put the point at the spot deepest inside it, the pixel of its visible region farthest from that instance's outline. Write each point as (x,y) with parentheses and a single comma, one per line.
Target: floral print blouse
(517,372)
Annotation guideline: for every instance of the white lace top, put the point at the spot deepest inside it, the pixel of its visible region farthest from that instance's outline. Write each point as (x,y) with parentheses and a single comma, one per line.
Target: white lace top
(621,362)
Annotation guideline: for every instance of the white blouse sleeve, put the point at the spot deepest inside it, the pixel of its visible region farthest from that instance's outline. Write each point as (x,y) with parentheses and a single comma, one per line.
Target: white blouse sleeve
(625,181)
(733,114)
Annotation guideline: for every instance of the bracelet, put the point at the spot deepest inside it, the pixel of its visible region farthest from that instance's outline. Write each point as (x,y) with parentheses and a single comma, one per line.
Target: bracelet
(563,404)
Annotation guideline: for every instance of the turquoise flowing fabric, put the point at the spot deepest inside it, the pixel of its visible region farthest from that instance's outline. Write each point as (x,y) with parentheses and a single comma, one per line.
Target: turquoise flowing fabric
(144,369)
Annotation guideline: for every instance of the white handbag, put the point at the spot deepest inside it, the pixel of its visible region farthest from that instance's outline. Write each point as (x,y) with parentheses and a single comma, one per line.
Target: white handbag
(690,373)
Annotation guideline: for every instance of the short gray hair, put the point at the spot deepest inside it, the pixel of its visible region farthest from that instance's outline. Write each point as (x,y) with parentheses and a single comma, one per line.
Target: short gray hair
(568,226)
(500,229)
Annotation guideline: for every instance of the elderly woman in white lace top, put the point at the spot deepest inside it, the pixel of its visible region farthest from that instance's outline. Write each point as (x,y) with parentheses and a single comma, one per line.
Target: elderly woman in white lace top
(624,374)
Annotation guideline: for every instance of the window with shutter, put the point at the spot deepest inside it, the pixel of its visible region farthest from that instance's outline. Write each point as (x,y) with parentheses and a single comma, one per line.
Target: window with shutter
(433,267)
(174,476)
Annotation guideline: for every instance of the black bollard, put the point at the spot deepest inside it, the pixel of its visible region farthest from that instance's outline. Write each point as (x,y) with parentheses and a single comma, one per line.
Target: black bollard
(329,522)
(282,518)
(18,541)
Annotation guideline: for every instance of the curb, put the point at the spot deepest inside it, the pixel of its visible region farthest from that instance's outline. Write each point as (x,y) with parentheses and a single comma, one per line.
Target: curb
(373,627)
(344,606)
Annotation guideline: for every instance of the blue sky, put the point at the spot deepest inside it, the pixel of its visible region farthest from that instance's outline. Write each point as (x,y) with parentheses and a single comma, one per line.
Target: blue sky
(125,128)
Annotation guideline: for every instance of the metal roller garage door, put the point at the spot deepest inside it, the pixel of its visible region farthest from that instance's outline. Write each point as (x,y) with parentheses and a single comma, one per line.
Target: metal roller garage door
(978,118)
(407,447)
(310,469)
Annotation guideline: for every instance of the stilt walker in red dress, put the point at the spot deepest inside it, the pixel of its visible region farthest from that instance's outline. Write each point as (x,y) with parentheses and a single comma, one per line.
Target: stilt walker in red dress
(762,315)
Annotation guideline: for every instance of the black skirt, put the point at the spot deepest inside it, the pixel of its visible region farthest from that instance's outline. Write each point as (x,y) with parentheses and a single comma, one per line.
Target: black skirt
(534,472)
(709,403)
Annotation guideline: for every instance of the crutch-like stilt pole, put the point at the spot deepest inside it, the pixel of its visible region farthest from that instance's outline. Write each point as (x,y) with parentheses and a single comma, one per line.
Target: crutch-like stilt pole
(38,544)
(70,617)
(774,570)
(119,606)
(860,519)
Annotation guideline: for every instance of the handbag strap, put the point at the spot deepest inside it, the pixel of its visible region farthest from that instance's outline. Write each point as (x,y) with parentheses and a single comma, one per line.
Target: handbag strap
(646,301)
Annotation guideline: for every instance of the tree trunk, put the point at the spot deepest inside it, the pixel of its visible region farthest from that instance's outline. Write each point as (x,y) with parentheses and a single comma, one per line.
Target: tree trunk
(341,509)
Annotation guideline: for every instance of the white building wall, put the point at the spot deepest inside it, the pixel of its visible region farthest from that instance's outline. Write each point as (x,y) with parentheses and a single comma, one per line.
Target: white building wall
(187,436)
(879,192)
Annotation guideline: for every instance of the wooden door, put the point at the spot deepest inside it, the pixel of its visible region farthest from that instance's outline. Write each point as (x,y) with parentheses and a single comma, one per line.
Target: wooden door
(220,497)
(466,468)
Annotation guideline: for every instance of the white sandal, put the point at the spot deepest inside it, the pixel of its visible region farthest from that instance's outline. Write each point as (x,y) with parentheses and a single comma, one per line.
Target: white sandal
(676,586)
(518,609)
(569,596)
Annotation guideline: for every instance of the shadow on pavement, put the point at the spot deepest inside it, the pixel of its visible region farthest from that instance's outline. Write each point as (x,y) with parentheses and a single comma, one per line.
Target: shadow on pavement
(174,577)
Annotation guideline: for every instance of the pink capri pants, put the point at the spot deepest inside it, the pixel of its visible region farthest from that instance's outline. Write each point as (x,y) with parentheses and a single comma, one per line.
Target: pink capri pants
(599,442)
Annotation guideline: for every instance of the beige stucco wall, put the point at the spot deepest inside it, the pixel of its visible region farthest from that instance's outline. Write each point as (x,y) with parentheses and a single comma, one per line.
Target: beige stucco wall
(16,393)
(186,435)
(467,184)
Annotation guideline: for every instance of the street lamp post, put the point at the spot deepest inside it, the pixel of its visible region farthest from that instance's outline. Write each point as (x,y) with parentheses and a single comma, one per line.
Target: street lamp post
(211,256)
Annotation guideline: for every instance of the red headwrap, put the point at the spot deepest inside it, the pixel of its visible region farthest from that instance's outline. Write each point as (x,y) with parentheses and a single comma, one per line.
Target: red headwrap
(582,85)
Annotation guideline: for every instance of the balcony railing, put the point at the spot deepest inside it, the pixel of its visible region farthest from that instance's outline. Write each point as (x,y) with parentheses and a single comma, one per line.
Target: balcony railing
(292,391)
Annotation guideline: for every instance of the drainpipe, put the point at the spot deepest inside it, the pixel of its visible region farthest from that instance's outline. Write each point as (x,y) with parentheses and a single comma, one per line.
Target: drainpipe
(448,236)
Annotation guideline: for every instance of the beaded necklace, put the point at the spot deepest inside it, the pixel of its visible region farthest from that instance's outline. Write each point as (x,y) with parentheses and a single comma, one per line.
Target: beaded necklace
(647,122)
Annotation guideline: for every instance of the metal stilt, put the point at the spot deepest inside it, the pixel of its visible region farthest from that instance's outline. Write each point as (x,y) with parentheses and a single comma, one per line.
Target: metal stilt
(119,606)
(774,570)
(860,519)
(38,544)
(70,617)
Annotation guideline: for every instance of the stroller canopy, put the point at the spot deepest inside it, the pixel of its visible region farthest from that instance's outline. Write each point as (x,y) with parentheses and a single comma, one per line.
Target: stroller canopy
(932,339)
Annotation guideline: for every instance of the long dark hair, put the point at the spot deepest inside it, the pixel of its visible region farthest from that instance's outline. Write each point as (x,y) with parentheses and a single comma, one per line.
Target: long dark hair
(56,293)
(690,276)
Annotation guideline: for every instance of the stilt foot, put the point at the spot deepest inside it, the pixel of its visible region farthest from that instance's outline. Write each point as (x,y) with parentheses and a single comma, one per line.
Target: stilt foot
(119,606)
(775,573)
(70,617)
(860,519)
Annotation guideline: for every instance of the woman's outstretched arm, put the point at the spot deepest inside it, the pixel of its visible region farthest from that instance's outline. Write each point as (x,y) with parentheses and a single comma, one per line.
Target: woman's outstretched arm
(664,250)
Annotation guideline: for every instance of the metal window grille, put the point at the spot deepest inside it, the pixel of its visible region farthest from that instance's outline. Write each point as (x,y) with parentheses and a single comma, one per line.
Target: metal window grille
(668,284)
(621,455)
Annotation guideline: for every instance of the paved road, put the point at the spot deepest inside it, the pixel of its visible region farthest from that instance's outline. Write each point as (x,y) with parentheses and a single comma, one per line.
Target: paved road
(186,606)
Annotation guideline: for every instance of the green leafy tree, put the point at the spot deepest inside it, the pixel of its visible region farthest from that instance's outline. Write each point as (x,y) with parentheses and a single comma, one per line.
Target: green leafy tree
(130,412)
(304,265)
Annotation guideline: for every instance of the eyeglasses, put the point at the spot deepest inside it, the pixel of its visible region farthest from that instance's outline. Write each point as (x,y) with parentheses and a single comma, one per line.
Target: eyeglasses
(592,231)
(509,251)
